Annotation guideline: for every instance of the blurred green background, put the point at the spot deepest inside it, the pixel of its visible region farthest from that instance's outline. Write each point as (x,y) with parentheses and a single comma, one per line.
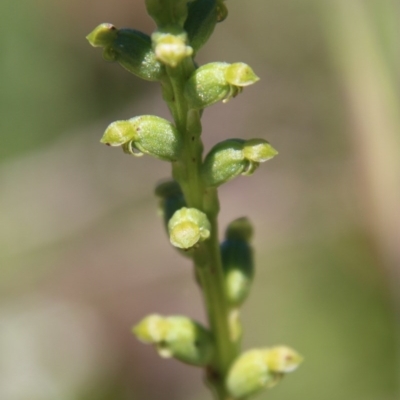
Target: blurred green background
(83,254)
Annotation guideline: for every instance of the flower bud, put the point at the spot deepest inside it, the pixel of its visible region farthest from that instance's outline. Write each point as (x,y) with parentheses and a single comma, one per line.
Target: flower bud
(201,21)
(171,49)
(237,262)
(252,371)
(222,10)
(239,229)
(187,227)
(234,157)
(217,81)
(145,134)
(171,199)
(238,266)
(168,12)
(131,48)
(178,337)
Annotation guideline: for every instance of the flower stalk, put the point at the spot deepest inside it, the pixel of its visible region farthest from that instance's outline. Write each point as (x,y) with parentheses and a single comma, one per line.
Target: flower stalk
(189,203)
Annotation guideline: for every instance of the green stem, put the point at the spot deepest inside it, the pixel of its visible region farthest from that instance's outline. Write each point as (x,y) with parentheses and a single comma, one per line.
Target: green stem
(207,257)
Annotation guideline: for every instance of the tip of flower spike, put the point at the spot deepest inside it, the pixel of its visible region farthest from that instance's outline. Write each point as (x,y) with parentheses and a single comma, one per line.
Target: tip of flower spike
(103,35)
(240,74)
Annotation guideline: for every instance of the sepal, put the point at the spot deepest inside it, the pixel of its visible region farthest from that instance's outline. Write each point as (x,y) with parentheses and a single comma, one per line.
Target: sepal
(240,75)
(147,134)
(178,337)
(103,35)
(187,227)
(258,150)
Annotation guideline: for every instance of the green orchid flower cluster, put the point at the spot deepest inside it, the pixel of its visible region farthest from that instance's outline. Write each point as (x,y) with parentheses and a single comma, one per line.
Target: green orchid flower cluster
(189,202)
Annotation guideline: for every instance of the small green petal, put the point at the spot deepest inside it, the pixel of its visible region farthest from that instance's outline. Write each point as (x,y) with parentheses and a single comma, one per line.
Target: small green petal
(258,150)
(118,133)
(151,329)
(103,35)
(283,359)
(240,74)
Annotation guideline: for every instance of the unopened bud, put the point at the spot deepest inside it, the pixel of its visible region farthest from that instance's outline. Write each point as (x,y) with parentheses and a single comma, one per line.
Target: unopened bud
(178,337)
(237,262)
(201,21)
(222,10)
(187,227)
(168,12)
(171,199)
(239,229)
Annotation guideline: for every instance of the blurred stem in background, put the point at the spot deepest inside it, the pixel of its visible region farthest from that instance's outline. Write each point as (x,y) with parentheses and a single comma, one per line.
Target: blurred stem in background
(364,42)
(373,98)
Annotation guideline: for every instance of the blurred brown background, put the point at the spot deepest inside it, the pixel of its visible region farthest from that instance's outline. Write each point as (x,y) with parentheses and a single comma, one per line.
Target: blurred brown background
(83,255)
